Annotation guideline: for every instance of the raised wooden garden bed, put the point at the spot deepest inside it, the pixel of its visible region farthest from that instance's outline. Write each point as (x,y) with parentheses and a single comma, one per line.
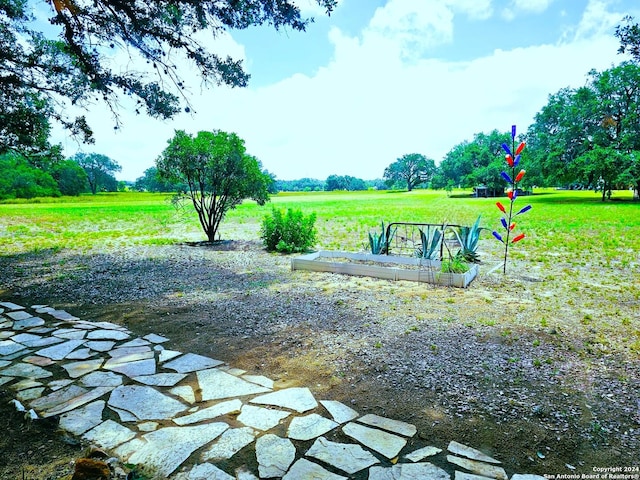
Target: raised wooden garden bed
(383,266)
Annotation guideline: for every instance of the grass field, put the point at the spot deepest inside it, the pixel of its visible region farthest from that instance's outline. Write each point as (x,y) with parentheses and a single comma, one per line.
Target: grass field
(571,226)
(553,346)
(588,248)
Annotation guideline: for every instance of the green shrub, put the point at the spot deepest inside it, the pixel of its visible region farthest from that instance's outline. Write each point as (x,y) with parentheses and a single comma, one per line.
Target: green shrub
(290,232)
(456,264)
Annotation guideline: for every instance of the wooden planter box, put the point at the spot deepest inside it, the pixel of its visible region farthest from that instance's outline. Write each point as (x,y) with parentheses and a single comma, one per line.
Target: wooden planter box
(388,267)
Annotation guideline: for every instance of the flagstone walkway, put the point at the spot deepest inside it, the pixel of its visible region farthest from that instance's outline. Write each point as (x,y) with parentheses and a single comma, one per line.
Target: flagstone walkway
(190,417)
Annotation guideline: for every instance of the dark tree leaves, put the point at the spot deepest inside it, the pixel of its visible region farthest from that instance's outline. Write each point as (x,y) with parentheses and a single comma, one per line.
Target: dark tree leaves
(629,36)
(76,63)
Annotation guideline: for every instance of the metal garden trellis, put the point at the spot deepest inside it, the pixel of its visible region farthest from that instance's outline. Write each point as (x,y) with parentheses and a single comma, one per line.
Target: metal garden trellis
(513,160)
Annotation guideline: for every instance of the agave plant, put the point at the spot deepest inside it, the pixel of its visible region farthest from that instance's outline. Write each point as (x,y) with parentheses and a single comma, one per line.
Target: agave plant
(468,238)
(430,243)
(379,243)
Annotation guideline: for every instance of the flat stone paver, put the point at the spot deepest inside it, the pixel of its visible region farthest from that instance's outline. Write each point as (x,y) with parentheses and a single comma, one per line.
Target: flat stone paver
(72,334)
(40,361)
(299,399)
(26,383)
(8,347)
(216,384)
(190,362)
(161,379)
(479,468)
(385,443)
(145,403)
(409,471)
(185,392)
(191,417)
(275,455)
(472,453)
(348,457)
(26,338)
(303,469)
(18,315)
(101,379)
(136,342)
(131,369)
(107,335)
(131,354)
(205,471)
(423,453)
(339,411)
(80,354)
(261,418)
(61,350)
(83,419)
(153,338)
(58,384)
(41,342)
(148,426)
(100,345)
(4,380)
(223,408)
(260,380)
(470,476)
(11,306)
(29,394)
(77,369)
(166,355)
(395,426)
(309,427)
(109,434)
(77,401)
(230,443)
(28,323)
(17,355)
(167,448)
(26,370)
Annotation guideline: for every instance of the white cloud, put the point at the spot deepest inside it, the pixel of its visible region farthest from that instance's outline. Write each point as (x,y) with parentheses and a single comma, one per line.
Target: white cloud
(368,107)
(597,19)
(415,26)
(534,6)
(518,7)
(474,9)
(412,26)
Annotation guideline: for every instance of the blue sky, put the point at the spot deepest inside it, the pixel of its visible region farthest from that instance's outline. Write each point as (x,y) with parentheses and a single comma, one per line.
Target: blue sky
(382,78)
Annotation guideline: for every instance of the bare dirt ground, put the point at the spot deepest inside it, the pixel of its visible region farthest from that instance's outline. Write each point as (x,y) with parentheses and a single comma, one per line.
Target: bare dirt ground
(540,368)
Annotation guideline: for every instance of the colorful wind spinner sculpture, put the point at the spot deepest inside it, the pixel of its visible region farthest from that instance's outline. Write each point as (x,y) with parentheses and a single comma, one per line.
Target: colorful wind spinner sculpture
(513,159)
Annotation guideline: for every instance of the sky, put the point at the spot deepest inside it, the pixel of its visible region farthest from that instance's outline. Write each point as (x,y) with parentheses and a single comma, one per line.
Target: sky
(378,79)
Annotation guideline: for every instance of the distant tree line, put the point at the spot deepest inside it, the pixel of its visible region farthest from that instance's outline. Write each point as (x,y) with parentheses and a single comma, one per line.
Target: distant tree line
(332,183)
(585,138)
(49,174)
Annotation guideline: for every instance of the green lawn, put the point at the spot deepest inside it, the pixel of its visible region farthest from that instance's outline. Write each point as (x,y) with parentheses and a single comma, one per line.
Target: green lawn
(574,226)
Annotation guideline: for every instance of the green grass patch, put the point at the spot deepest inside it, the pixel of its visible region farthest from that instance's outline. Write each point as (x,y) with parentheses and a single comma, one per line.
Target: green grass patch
(571,226)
